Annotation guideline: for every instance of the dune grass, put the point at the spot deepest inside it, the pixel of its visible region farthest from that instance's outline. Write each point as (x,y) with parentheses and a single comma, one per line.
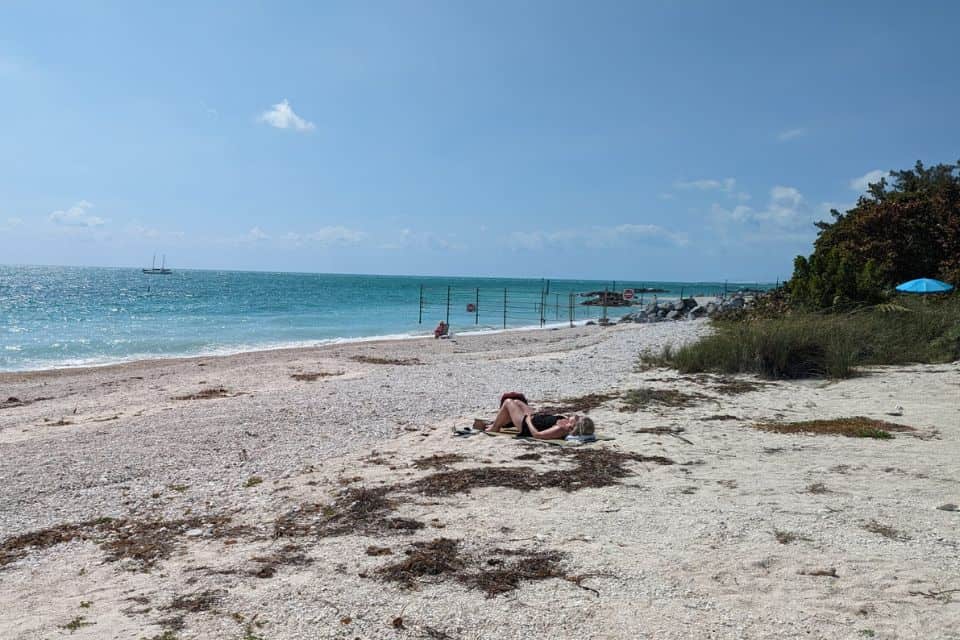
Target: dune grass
(818,345)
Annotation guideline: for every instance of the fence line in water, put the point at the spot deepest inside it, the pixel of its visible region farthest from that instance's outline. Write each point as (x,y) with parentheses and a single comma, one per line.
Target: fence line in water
(505,307)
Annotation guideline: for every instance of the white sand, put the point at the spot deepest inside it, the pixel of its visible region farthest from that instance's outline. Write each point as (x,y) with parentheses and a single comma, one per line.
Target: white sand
(680,551)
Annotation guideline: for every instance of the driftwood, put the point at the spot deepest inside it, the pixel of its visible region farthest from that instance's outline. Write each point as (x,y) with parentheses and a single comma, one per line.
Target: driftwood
(667,431)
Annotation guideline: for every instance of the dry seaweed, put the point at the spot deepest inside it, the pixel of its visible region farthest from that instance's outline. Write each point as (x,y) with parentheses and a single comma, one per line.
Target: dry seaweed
(528,456)
(394,361)
(197,602)
(507,575)
(289,555)
(438,461)
(727,385)
(310,377)
(433,558)
(356,510)
(666,431)
(374,550)
(206,394)
(495,572)
(817,487)
(580,403)
(13,402)
(885,530)
(855,427)
(594,468)
(142,541)
(638,399)
(12,549)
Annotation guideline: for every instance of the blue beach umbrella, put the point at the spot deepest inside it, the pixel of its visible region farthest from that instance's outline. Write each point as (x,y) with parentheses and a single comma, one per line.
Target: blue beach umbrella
(924,285)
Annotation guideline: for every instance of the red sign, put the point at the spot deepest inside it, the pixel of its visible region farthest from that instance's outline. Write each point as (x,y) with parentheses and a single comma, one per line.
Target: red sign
(628,294)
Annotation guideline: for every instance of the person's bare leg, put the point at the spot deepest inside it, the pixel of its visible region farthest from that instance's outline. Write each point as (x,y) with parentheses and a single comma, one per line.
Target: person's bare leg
(502,419)
(518,410)
(507,415)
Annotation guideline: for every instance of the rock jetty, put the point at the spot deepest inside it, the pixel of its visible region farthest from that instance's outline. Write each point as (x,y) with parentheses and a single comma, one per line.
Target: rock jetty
(685,309)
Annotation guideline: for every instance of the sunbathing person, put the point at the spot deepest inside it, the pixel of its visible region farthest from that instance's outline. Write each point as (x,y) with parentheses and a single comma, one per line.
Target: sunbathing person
(543,426)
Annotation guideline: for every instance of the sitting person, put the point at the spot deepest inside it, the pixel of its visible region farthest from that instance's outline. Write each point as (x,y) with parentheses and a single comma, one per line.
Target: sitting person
(543,426)
(442,330)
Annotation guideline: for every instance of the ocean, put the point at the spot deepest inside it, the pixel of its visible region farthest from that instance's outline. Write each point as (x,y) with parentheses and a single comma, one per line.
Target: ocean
(52,317)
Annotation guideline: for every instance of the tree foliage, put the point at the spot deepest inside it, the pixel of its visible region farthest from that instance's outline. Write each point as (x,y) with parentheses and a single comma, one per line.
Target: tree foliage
(901,229)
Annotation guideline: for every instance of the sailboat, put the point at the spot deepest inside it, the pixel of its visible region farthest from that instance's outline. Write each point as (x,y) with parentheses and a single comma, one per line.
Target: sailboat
(153,270)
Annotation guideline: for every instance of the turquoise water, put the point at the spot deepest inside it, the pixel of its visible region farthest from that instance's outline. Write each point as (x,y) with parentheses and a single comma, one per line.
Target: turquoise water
(71,316)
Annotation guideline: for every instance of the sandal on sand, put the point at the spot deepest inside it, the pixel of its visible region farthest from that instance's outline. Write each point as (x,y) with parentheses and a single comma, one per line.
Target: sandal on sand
(465,431)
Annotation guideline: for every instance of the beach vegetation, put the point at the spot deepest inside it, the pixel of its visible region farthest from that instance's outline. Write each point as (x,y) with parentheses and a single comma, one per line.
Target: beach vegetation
(903,228)
(827,345)
(253,481)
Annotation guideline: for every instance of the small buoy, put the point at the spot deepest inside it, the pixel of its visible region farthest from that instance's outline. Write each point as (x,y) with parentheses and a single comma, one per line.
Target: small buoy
(471,307)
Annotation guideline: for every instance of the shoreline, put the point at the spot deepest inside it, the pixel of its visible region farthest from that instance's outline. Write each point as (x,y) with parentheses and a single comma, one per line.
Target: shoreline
(722,542)
(269,348)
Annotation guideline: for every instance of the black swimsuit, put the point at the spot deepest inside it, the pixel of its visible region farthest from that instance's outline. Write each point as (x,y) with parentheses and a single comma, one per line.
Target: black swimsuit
(540,422)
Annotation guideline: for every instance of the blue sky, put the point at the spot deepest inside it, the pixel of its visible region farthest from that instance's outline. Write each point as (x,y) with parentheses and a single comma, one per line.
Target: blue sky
(629,140)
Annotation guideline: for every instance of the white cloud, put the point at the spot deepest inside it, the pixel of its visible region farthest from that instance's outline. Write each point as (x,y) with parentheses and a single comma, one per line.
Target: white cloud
(282,116)
(256,234)
(327,236)
(651,231)
(787,217)
(10,224)
(861,183)
(77,216)
(726,185)
(424,240)
(151,233)
(791,134)
(623,235)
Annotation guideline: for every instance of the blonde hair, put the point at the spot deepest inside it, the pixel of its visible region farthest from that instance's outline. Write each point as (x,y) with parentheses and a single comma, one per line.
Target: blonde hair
(583,427)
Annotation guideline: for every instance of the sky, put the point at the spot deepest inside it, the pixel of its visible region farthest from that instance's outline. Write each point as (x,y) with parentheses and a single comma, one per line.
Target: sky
(673,140)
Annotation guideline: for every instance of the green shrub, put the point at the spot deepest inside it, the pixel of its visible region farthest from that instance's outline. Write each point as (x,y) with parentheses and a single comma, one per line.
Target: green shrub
(825,345)
(903,228)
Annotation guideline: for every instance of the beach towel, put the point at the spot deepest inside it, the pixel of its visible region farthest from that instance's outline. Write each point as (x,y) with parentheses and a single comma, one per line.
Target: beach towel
(570,441)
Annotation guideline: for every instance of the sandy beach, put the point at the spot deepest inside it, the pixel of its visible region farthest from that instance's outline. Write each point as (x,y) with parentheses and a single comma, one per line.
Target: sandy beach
(321,493)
